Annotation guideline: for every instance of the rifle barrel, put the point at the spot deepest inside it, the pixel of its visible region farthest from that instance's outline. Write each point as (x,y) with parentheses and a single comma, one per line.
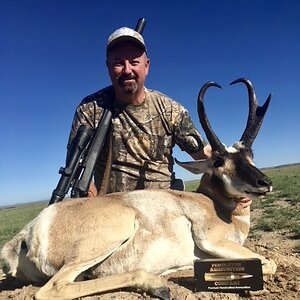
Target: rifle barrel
(140,25)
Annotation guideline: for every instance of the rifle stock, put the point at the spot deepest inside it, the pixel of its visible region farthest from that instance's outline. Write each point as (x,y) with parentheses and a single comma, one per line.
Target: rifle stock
(72,168)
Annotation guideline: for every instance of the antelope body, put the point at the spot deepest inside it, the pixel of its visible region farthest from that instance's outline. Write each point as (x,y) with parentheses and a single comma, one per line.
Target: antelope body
(87,246)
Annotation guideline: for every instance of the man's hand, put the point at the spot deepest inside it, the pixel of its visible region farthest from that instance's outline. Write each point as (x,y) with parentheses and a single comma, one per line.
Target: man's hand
(205,153)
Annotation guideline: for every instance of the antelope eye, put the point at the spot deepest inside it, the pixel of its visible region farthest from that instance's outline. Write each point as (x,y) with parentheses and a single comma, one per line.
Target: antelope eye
(218,163)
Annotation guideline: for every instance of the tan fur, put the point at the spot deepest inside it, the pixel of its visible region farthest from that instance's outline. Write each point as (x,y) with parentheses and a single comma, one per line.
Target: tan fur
(127,239)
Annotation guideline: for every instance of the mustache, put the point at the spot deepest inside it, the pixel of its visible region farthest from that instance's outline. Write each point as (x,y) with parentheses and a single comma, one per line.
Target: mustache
(122,78)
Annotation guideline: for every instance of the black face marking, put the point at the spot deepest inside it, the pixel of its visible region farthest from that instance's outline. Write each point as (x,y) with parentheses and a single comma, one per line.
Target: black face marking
(219,162)
(248,172)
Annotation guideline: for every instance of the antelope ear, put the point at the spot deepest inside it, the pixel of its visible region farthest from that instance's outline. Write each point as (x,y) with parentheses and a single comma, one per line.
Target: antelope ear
(195,166)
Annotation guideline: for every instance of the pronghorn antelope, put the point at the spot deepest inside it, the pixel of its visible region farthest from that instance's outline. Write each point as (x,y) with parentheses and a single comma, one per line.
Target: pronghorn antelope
(87,246)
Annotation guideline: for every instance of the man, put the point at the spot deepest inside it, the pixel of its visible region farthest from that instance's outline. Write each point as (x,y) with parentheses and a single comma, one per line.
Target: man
(145,127)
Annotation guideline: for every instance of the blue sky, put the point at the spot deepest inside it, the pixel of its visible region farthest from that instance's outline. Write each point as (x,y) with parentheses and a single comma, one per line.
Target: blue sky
(52,54)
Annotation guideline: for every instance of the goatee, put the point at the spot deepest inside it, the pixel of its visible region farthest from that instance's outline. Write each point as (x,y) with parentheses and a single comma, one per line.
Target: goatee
(128,88)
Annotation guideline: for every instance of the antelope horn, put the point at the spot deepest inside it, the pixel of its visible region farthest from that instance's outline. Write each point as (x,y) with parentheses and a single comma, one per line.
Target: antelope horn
(212,138)
(255,116)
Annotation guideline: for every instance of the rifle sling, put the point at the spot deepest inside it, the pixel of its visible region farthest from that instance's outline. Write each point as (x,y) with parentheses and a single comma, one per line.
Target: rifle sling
(107,168)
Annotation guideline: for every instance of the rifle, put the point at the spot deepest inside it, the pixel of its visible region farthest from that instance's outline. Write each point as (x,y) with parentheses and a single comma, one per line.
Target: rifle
(83,153)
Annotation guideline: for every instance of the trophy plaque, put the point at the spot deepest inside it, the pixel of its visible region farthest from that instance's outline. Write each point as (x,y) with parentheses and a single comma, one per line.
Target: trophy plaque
(228,275)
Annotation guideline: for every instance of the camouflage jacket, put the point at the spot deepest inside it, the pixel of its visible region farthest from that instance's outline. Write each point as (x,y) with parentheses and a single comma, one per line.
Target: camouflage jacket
(143,137)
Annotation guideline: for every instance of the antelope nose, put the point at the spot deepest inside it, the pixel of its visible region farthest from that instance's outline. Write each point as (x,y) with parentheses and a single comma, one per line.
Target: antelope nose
(264,182)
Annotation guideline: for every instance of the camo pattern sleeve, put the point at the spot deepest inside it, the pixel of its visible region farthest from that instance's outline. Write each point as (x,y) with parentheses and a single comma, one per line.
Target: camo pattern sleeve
(186,136)
(88,112)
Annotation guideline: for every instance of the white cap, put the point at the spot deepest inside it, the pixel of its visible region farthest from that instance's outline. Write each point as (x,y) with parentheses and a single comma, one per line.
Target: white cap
(125,34)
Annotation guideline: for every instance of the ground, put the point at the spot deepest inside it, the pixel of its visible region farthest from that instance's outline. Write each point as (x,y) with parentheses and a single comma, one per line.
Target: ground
(285,284)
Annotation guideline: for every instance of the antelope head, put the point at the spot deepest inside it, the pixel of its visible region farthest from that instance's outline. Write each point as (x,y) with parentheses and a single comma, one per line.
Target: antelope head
(230,172)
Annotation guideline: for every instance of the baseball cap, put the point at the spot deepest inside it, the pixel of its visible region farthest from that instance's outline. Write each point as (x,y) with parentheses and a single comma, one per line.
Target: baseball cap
(125,34)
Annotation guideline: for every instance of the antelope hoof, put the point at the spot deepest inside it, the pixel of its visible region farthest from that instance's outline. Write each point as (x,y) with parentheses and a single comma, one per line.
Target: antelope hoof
(162,293)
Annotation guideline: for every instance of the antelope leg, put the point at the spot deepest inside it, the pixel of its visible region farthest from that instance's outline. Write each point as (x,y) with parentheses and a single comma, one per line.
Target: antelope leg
(62,288)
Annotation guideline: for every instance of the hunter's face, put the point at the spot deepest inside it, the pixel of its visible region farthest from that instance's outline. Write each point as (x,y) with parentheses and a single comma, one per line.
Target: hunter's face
(128,67)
